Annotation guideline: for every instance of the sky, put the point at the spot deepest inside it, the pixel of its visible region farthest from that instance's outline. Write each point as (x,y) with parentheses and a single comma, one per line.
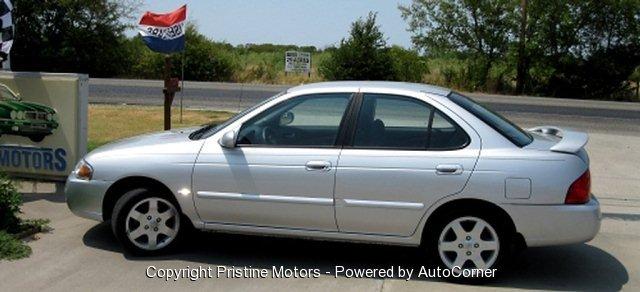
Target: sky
(300,22)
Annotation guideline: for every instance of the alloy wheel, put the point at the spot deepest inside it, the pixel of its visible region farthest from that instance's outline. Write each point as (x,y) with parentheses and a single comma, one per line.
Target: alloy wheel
(469,242)
(152,223)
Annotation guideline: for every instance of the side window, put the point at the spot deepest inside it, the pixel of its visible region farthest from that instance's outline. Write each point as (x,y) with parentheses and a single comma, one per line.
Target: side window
(446,134)
(397,122)
(310,120)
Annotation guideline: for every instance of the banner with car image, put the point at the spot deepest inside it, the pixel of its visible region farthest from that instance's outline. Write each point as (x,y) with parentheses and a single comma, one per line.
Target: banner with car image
(43,123)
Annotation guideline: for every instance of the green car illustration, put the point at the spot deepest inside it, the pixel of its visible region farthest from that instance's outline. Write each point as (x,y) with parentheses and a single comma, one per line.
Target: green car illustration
(22,118)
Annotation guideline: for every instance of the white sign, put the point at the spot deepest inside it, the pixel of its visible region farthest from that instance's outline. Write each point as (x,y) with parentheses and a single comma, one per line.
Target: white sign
(298,62)
(43,123)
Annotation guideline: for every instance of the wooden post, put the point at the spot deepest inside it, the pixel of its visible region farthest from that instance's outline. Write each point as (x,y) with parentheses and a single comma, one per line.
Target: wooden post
(171,86)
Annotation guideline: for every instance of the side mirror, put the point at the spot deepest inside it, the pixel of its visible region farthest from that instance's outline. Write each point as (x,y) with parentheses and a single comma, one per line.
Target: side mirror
(228,140)
(286,118)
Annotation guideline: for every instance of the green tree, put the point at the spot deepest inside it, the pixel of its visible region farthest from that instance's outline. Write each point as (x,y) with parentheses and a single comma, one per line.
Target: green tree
(71,36)
(477,30)
(363,56)
(592,47)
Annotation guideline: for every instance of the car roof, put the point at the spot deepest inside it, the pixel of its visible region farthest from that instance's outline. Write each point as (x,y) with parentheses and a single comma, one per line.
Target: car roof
(364,85)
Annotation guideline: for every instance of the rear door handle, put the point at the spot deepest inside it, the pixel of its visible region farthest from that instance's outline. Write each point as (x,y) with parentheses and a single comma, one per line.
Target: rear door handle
(318,165)
(449,169)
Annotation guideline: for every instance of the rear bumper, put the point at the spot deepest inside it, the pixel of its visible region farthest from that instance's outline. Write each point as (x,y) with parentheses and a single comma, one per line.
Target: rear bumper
(84,198)
(544,225)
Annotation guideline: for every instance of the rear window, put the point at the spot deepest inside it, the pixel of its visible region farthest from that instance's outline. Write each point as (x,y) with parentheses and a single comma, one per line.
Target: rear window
(509,130)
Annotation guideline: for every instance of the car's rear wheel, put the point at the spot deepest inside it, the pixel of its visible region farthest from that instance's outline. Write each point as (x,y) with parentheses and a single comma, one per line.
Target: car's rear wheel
(147,222)
(468,240)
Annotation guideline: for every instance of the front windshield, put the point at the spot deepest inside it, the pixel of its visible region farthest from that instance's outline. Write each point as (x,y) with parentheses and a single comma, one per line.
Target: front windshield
(212,128)
(512,132)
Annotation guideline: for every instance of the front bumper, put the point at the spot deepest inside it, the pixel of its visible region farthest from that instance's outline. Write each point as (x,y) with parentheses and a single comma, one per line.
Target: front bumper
(28,127)
(84,198)
(544,225)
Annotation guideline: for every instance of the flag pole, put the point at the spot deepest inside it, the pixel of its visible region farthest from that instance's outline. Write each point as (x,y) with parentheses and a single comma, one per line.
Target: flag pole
(182,85)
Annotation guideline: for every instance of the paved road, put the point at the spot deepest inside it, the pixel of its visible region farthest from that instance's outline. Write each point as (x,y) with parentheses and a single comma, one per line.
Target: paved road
(83,255)
(236,96)
(610,117)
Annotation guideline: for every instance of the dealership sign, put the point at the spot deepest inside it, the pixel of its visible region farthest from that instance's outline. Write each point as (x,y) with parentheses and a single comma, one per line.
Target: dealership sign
(297,62)
(43,123)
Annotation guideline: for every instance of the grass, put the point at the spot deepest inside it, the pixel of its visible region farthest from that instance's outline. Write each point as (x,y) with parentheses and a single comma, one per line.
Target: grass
(12,248)
(108,123)
(268,68)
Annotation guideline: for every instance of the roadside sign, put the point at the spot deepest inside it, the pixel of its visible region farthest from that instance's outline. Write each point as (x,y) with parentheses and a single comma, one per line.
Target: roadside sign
(43,123)
(297,62)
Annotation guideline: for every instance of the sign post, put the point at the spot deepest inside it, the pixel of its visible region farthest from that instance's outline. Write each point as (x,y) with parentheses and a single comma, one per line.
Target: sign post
(171,86)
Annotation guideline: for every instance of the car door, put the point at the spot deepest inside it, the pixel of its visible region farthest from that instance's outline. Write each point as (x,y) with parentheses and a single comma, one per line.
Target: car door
(281,172)
(403,155)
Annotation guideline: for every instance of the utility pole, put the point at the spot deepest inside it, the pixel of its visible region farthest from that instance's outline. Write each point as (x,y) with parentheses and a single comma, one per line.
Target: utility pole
(523,59)
(171,86)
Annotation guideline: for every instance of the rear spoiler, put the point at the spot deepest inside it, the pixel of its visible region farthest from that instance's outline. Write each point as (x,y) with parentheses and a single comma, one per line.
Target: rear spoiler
(571,141)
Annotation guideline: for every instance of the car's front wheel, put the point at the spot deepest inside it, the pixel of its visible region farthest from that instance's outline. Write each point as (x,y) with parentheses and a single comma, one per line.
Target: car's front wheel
(147,223)
(37,138)
(469,240)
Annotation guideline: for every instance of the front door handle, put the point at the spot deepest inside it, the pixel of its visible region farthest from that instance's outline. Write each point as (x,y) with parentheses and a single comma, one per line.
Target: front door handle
(318,165)
(449,169)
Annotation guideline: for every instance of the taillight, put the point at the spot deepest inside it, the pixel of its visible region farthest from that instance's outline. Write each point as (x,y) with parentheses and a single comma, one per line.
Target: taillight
(580,190)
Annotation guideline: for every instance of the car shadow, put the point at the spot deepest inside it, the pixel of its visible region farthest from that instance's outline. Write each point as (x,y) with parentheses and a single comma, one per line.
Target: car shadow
(31,197)
(568,268)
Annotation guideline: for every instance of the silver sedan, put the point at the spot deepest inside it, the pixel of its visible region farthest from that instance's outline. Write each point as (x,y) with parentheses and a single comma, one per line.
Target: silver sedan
(378,162)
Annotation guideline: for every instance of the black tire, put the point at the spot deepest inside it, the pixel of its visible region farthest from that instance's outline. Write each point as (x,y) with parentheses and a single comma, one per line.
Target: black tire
(36,138)
(501,228)
(119,221)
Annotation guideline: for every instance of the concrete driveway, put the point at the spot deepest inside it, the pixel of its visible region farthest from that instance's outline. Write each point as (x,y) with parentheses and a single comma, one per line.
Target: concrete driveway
(83,255)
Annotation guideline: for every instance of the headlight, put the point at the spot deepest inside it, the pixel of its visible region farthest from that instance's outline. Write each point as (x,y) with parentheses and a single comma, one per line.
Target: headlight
(21,115)
(13,115)
(83,170)
(49,117)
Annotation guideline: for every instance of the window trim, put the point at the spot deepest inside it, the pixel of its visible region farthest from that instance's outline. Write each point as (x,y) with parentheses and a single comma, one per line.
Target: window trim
(336,144)
(354,121)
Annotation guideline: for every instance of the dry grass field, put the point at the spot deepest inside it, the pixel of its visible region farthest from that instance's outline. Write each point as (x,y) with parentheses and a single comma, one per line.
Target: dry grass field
(112,122)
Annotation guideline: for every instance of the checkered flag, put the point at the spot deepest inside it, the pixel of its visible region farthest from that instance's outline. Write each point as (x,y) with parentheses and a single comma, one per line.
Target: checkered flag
(6,28)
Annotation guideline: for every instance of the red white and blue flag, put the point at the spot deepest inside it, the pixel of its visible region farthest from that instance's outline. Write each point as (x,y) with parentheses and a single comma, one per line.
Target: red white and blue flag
(164,33)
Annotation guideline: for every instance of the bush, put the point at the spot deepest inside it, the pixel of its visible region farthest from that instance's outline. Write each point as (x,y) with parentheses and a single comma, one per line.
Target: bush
(603,74)
(12,248)
(204,59)
(12,228)
(363,56)
(10,201)
(408,65)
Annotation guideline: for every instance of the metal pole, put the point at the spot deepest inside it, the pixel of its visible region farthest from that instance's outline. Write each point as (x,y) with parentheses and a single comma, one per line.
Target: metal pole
(182,86)
(169,92)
